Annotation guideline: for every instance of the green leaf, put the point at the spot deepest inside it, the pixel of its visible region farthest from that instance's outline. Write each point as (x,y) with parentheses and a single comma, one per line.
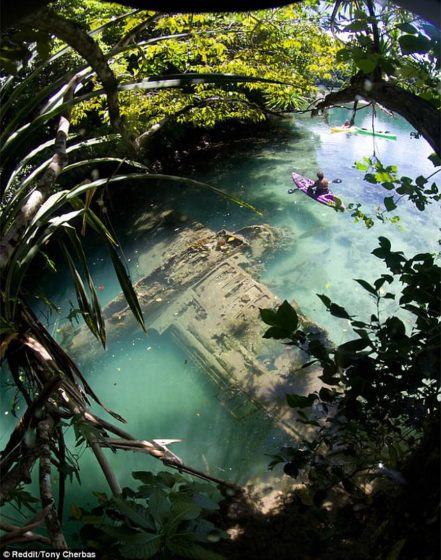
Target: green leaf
(421,181)
(269,317)
(159,504)
(327,395)
(142,546)
(126,284)
(167,479)
(96,307)
(287,317)
(205,502)
(338,311)
(407,28)
(355,345)
(192,78)
(325,300)
(118,532)
(396,328)
(384,278)
(276,332)
(357,25)
(160,177)
(91,313)
(329,375)
(47,208)
(189,549)
(183,509)
(299,401)
(145,477)
(368,64)
(389,203)
(136,512)
(367,286)
(384,249)
(435,159)
(411,44)
(361,166)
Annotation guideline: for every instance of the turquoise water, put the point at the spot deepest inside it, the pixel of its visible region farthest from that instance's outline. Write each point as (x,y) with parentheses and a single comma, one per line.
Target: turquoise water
(327,249)
(152,382)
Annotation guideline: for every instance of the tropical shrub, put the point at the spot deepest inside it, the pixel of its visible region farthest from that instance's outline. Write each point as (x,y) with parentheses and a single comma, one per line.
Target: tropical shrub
(166,515)
(381,390)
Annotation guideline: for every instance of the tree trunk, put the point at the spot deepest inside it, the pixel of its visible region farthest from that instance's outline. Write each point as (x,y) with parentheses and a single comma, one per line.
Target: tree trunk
(75,36)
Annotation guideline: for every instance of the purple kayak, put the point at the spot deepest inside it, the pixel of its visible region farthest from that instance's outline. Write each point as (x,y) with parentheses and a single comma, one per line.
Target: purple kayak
(303,183)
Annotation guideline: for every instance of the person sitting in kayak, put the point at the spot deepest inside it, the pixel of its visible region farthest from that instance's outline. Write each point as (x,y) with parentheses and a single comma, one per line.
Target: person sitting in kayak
(347,124)
(319,187)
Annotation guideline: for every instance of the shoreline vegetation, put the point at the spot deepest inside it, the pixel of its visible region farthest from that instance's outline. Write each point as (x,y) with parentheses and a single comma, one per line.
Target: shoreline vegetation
(96,95)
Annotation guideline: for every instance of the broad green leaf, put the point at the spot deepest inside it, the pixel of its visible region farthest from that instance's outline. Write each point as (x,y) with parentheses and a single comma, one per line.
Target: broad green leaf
(368,64)
(287,317)
(411,44)
(327,395)
(136,512)
(269,317)
(357,25)
(384,250)
(118,532)
(389,203)
(407,28)
(395,326)
(299,401)
(145,477)
(276,332)
(435,159)
(142,546)
(421,181)
(159,504)
(361,166)
(384,278)
(205,502)
(167,479)
(189,549)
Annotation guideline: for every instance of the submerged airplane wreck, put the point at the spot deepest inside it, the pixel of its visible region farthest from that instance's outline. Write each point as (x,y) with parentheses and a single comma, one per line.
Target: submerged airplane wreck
(203,290)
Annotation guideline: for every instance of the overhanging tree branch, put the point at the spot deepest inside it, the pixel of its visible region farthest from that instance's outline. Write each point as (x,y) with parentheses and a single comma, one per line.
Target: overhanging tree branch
(417,111)
(145,136)
(75,36)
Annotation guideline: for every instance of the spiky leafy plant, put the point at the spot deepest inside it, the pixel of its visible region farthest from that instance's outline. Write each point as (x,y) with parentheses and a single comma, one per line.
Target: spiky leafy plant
(36,214)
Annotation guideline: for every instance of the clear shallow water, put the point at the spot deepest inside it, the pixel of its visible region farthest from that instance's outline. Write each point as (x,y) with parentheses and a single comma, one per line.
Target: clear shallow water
(151,382)
(328,250)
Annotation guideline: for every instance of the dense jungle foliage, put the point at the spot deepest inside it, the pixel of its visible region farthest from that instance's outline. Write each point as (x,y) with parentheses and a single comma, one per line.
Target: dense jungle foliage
(116,86)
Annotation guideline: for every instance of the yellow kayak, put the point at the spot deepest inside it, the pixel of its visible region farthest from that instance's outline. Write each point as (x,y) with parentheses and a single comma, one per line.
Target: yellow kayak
(343,129)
